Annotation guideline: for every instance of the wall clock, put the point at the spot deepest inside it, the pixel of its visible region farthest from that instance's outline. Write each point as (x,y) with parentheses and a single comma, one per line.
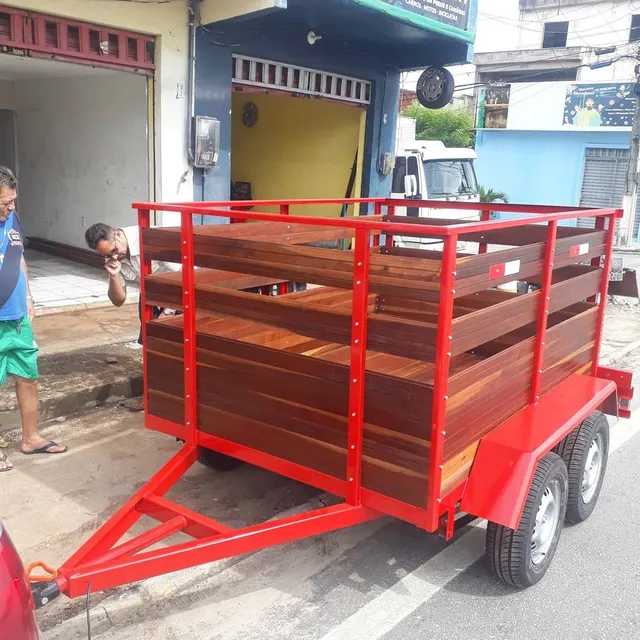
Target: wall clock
(249,114)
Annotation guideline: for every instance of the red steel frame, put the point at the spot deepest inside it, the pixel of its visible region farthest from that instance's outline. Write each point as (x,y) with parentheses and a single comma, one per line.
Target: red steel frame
(100,564)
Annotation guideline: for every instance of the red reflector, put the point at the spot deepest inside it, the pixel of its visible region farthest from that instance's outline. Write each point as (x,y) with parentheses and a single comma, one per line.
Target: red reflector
(579,250)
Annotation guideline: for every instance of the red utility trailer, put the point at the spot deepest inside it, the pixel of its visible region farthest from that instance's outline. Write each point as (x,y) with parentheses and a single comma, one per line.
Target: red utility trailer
(408,382)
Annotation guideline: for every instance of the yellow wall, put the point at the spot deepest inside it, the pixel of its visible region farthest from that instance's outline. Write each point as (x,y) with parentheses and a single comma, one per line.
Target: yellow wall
(297,149)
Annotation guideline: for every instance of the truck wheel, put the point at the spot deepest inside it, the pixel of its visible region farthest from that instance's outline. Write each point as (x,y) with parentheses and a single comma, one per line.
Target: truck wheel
(435,88)
(585,452)
(218,461)
(521,557)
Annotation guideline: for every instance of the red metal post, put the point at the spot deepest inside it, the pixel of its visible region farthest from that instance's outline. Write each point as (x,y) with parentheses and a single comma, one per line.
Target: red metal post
(543,311)
(144,222)
(441,380)
(388,237)
(189,320)
(604,288)
(377,210)
(484,216)
(596,262)
(358,364)
(283,287)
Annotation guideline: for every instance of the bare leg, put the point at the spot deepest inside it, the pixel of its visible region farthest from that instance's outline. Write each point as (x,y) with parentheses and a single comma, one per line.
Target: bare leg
(27,393)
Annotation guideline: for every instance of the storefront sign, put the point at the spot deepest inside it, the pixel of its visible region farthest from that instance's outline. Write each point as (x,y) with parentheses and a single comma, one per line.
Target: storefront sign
(599,105)
(452,12)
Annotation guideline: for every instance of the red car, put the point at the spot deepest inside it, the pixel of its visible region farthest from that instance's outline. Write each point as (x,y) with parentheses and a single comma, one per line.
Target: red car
(17,609)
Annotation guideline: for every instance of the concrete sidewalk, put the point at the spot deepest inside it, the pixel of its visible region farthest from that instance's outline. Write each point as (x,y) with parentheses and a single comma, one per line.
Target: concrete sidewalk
(88,357)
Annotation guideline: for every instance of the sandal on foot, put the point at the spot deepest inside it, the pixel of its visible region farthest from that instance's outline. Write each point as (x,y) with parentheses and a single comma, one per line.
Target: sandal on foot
(3,458)
(46,449)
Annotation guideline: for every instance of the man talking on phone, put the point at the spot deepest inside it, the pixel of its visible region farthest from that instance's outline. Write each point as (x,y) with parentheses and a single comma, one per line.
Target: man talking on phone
(120,248)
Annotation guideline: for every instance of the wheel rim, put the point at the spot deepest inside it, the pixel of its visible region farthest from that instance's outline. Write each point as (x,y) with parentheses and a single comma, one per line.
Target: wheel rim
(546,523)
(433,87)
(592,469)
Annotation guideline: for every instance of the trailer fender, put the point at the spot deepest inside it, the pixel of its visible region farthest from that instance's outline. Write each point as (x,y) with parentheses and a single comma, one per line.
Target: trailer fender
(506,459)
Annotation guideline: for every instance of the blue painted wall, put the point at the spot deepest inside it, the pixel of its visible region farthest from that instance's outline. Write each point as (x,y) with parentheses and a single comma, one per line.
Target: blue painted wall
(213,98)
(213,95)
(539,167)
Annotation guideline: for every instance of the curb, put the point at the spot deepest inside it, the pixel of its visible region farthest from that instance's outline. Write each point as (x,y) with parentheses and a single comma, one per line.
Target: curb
(76,402)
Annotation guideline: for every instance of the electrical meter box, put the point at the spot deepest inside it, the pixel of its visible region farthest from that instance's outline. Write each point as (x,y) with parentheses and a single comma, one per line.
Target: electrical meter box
(207,142)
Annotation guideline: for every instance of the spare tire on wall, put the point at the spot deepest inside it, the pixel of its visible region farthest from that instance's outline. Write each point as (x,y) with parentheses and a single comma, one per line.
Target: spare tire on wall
(435,88)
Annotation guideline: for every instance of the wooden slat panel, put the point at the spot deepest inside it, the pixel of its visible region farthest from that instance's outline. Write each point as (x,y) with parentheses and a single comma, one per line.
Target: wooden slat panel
(485,395)
(277,232)
(511,236)
(304,264)
(479,327)
(222,279)
(473,274)
(238,378)
(393,403)
(396,336)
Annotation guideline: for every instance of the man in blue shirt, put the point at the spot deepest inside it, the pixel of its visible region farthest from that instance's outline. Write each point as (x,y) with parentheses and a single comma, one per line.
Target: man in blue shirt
(18,348)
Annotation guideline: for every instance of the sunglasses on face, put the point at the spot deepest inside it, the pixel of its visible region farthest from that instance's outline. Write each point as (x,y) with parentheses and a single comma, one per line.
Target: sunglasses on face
(111,255)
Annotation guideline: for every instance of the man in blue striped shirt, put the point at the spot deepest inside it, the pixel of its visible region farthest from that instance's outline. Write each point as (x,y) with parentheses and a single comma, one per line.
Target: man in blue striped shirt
(18,348)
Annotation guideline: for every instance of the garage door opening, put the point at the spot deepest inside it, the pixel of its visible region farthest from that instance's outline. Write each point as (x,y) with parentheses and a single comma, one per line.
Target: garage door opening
(288,147)
(77,138)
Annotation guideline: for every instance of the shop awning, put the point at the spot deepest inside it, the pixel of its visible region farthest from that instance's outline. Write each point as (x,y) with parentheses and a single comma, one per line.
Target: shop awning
(449,18)
(402,34)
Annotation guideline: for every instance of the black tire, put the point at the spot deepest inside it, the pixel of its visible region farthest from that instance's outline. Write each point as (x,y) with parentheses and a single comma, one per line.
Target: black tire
(511,553)
(576,452)
(218,461)
(435,88)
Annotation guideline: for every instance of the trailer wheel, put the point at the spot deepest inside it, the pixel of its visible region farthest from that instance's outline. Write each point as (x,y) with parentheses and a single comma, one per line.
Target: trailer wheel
(521,557)
(585,452)
(218,461)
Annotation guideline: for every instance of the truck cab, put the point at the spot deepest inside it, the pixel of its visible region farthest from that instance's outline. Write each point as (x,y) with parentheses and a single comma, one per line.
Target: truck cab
(427,170)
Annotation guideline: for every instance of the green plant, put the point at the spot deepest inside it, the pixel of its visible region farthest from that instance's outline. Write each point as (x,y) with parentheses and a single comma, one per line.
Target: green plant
(491,195)
(454,127)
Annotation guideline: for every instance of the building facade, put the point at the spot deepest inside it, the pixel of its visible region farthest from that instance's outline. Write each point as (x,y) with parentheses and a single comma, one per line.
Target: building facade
(556,99)
(305,92)
(92,110)
(105,102)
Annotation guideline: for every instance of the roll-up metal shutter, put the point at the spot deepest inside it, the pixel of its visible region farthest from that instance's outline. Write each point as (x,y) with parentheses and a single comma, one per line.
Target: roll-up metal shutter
(603,182)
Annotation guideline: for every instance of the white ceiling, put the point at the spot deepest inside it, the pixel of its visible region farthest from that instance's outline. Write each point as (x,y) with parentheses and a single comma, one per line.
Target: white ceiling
(23,68)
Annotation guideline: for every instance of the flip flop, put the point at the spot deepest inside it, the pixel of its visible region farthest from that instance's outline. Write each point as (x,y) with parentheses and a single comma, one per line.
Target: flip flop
(46,449)
(3,458)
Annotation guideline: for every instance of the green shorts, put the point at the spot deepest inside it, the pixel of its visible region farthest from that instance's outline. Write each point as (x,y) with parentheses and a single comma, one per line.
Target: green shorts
(18,350)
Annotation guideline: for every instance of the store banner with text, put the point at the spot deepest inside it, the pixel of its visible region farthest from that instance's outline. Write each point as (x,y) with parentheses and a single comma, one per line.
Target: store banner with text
(452,12)
(599,105)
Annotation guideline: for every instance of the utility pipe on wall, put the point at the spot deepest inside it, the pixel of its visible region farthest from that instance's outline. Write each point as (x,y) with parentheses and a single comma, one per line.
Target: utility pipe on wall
(194,13)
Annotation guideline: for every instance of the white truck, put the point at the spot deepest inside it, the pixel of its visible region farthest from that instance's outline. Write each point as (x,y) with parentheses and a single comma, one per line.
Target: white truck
(427,170)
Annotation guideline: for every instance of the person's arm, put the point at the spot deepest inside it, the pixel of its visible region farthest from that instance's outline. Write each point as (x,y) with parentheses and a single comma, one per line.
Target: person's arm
(117,288)
(30,308)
